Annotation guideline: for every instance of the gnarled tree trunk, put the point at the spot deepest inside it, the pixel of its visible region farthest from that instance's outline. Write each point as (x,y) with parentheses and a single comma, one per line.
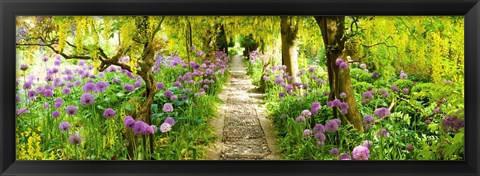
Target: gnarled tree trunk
(333,37)
(289,30)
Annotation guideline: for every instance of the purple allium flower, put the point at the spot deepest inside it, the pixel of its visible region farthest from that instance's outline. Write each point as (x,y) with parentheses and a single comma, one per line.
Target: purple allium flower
(344,105)
(23,67)
(334,152)
(22,111)
(177,84)
(306,113)
(300,119)
(77,83)
(266,78)
(409,147)
(343,65)
(150,129)
(437,110)
(320,136)
(343,95)
(168,93)
(71,110)
(289,88)
(394,88)
(31,94)
(184,98)
(128,87)
(319,128)
(160,85)
(55,114)
(101,86)
(167,107)
(339,61)
(320,143)
(137,127)
(405,91)
(81,63)
(311,69)
(343,111)
(129,122)
(344,156)
(278,80)
(87,99)
(330,104)
(205,86)
(315,107)
(47,93)
(58,104)
(427,122)
(338,121)
(360,153)
(17,99)
(64,126)
(383,132)
(299,99)
(403,76)
(381,112)
(116,80)
(45,59)
(281,95)
(173,98)
(66,91)
(27,85)
(363,66)
(331,126)
(138,83)
(165,127)
(75,139)
(375,75)
(56,62)
(109,113)
(88,87)
(307,133)
(367,95)
(367,143)
(170,121)
(368,121)
(452,123)
(145,129)
(46,105)
(336,102)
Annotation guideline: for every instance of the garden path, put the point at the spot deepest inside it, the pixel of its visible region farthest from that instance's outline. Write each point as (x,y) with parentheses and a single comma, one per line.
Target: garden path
(243,129)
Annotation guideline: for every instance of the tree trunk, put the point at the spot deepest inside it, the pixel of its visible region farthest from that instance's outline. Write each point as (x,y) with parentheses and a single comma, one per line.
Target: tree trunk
(333,37)
(289,30)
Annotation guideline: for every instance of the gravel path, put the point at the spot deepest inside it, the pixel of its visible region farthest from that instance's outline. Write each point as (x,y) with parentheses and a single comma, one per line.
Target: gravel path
(243,129)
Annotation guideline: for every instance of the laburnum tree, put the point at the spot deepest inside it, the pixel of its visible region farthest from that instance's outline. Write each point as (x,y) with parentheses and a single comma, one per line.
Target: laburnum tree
(90,38)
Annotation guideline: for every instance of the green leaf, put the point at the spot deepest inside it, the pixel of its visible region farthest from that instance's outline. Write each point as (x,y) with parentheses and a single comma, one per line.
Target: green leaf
(154,107)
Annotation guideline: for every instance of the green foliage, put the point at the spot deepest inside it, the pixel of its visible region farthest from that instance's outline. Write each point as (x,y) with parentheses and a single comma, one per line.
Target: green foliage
(404,83)
(360,75)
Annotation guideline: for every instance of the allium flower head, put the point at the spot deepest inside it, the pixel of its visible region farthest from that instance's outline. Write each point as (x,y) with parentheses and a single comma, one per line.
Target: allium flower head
(75,139)
(109,113)
(56,62)
(168,93)
(306,113)
(343,95)
(300,119)
(334,152)
(281,95)
(343,111)
(167,107)
(315,107)
(278,80)
(165,127)
(129,122)
(344,156)
(101,86)
(336,102)
(320,137)
(66,91)
(58,104)
(89,87)
(128,87)
(367,143)
(427,121)
(383,133)
(368,121)
(403,76)
(47,93)
(71,110)
(367,95)
(360,153)
(363,66)
(307,133)
(394,88)
(27,85)
(330,104)
(177,84)
(31,94)
(331,126)
(55,114)
(45,59)
(343,65)
(23,67)
(405,91)
(452,123)
(170,121)
(319,128)
(160,85)
(381,112)
(64,126)
(338,121)
(138,83)
(344,105)
(87,99)
(409,147)
(339,61)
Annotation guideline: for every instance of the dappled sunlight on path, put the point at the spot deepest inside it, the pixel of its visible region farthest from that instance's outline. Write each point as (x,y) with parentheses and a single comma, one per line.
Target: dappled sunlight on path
(243,129)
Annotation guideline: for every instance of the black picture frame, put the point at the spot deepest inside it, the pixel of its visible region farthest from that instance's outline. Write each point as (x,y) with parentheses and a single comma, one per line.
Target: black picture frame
(9,9)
